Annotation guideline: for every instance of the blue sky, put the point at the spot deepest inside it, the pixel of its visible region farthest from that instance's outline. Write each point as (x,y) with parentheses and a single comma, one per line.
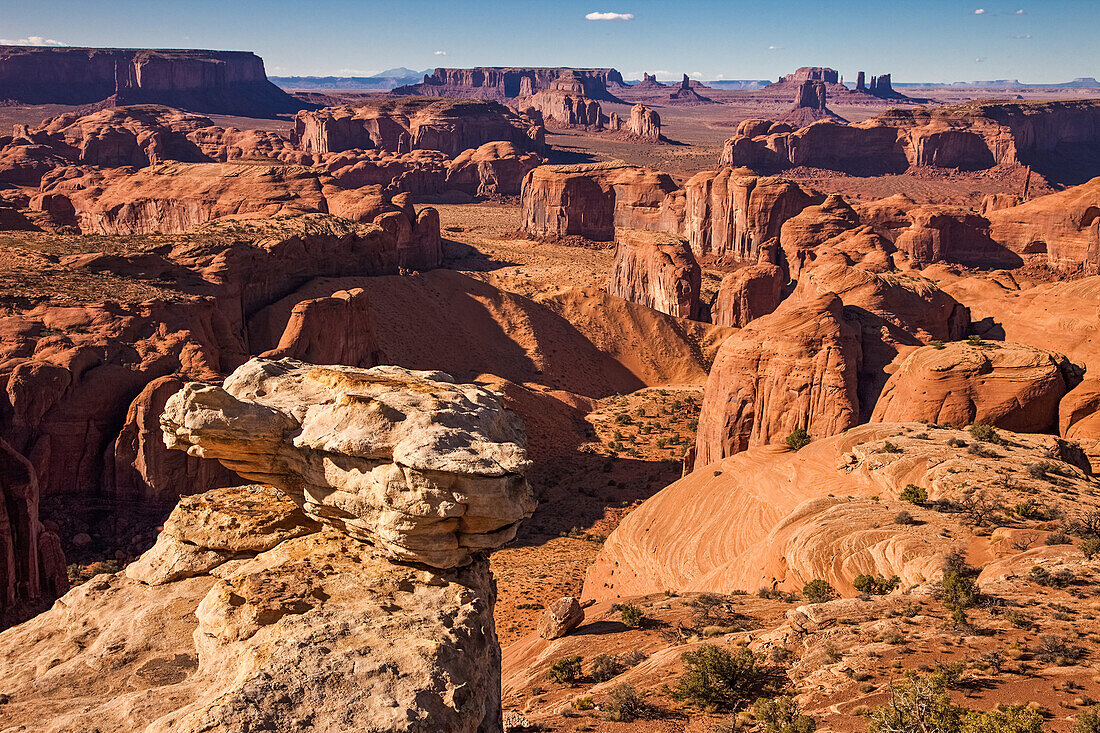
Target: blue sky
(929,40)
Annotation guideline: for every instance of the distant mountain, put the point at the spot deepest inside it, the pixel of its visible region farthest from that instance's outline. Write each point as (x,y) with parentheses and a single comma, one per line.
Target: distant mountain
(383,80)
(1080,83)
(746,85)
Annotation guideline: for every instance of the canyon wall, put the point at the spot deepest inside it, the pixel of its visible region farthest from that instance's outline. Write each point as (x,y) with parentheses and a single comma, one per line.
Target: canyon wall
(501,83)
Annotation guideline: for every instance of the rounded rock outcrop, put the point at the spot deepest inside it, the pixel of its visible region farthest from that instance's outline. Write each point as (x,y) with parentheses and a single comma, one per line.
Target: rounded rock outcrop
(422,468)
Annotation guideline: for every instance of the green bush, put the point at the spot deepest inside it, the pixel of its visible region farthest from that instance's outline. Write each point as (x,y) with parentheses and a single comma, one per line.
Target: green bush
(1091,547)
(1012,719)
(624,704)
(1031,509)
(888,447)
(876,585)
(985,433)
(718,679)
(566,670)
(818,591)
(631,615)
(914,494)
(974,340)
(780,715)
(798,439)
(1088,721)
(936,344)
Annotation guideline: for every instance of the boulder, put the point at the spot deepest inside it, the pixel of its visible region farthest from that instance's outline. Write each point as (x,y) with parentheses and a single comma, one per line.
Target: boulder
(564,200)
(658,271)
(795,368)
(422,468)
(747,294)
(1079,411)
(560,617)
(1010,386)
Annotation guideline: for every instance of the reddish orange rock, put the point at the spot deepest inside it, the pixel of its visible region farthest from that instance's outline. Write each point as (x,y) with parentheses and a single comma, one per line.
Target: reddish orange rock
(794,368)
(1007,385)
(658,271)
(747,294)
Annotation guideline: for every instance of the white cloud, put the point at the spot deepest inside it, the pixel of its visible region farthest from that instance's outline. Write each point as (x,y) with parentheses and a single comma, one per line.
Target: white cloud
(773,48)
(979,11)
(609,16)
(440,53)
(696,74)
(1023,37)
(1021,11)
(979,60)
(31,41)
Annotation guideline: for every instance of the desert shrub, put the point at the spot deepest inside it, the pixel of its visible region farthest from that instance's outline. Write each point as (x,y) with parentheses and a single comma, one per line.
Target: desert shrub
(979,450)
(1031,509)
(904,517)
(1058,537)
(1088,524)
(631,615)
(832,654)
(780,715)
(707,606)
(798,439)
(875,585)
(1091,547)
(584,703)
(888,447)
(985,433)
(978,508)
(633,658)
(956,442)
(1056,650)
(720,679)
(1011,719)
(1060,578)
(1088,721)
(623,419)
(914,494)
(566,670)
(605,666)
(624,704)
(936,344)
(818,591)
(994,660)
(1041,470)
(917,703)
(974,340)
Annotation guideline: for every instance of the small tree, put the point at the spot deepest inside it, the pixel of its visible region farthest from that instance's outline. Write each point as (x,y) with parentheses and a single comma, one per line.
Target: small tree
(566,670)
(780,715)
(798,439)
(718,679)
(917,704)
(818,591)
(914,494)
(1091,547)
(876,585)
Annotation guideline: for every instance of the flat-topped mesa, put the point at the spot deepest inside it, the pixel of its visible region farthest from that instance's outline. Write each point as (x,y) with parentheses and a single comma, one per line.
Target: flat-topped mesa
(566,102)
(502,83)
(226,82)
(424,469)
(449,126)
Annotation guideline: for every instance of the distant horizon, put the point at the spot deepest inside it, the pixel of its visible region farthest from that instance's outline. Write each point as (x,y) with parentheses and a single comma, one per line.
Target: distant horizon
(934,41)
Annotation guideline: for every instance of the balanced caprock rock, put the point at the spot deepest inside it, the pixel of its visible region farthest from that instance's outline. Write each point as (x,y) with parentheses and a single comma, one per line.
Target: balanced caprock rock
(249,614)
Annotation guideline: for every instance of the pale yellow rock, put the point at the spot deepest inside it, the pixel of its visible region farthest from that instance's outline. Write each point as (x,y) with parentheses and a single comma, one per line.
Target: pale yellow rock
(422,468)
